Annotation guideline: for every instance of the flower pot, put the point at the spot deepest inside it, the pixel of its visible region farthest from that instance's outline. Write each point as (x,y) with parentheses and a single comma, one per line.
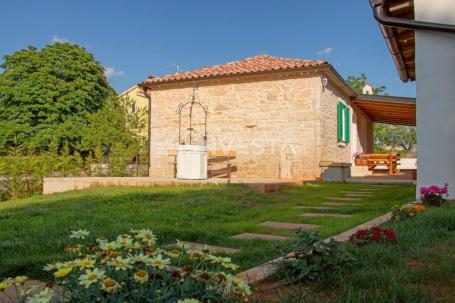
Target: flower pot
(360,162)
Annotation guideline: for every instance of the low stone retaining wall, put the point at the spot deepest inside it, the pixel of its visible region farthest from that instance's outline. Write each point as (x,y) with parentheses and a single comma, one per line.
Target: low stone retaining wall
(59,185)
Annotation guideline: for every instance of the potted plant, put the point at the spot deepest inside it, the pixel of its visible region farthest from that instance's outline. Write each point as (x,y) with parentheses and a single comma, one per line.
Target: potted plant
(434,195)
(360,159)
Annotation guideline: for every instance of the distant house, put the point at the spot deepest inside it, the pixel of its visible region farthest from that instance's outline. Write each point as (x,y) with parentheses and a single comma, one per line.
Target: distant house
(284,118)
(139,101)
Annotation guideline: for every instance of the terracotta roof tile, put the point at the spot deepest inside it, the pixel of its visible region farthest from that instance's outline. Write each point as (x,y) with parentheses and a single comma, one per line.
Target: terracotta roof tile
(256,64)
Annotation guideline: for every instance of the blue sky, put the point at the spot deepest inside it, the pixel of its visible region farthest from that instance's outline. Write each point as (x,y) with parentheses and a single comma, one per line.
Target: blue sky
(136,38)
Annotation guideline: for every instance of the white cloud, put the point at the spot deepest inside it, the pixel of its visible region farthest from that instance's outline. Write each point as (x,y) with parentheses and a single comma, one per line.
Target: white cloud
(57,39)
(325,52)
(111,72)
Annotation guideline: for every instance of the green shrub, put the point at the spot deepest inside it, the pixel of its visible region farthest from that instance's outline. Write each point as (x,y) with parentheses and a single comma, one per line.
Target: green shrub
(313,259)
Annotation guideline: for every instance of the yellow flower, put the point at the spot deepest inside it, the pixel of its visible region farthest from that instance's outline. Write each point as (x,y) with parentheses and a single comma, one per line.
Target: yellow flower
(141,276)
(219,260)
(109,285)
(70,264)
(20,280)
(79,234)
(73,249)
(6,283)
(197,255)
(174,254)
(141,258)
(109,245)
(120,263)
(159,262)
(147,236)
(91,276)
(86,263)
(230,266)
(63,272)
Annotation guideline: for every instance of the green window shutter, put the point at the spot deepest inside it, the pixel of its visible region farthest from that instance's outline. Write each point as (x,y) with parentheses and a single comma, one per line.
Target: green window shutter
(340,122)
(347,124)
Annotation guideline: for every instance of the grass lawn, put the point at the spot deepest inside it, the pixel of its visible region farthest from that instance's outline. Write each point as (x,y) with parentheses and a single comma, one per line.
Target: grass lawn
(34,231)
(418,267)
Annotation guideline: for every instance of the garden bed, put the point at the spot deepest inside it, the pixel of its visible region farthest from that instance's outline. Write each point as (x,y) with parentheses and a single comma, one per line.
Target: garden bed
(419,266)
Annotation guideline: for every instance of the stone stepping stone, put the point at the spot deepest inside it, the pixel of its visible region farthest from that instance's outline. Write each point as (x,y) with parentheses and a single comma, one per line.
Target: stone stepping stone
(355,192)
(213,248)
(344,199)
(381,185)
(287,225)
(359,195)
(316,215)
(253,236)
(313,207)
(341,204)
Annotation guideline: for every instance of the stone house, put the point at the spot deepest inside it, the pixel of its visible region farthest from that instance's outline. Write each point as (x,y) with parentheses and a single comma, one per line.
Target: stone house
(284,118)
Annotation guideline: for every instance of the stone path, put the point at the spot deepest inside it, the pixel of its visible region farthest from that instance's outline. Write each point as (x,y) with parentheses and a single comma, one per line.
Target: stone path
(253,236)
(261,272)
(341,204)
(216,249)
(381,185)
(359,195)
(344,199)
(287,225)
(311,215)
(356,192)
(313,207)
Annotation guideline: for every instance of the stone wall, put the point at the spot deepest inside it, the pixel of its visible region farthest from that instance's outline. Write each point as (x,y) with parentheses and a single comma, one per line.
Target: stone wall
(331,149)
(269,120)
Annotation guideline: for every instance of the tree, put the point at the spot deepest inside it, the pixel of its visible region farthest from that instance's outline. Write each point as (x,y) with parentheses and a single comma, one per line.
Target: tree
(392,136)
(386,136)
(357,84)
(47,94)
(113,125)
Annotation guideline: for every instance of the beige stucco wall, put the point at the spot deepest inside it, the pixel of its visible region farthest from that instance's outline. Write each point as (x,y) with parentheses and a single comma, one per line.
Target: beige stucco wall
(269,120)
(141,102)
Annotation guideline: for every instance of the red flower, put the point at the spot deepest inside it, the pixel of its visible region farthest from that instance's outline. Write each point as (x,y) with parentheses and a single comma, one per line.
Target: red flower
(361,233)
(389,234)
(377,233)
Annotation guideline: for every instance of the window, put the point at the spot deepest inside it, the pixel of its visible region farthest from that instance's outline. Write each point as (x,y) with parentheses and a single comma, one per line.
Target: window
(343,122)
(133,107)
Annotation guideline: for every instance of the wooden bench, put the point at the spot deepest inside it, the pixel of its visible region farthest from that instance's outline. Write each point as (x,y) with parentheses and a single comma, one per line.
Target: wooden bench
(218,156)
(214,156)
(389,160)
(172,153)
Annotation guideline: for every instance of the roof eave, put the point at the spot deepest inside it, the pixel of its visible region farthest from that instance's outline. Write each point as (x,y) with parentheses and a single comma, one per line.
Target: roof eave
(323,67)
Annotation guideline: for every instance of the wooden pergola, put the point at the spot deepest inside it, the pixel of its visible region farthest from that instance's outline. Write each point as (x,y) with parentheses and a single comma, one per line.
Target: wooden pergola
(387,109)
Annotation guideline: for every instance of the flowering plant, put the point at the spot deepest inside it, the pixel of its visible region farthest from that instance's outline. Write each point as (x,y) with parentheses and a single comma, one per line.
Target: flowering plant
(434,195)
(313,259)
(29,294)
(132,268)
(360,156)
(375,234)
(406,211)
